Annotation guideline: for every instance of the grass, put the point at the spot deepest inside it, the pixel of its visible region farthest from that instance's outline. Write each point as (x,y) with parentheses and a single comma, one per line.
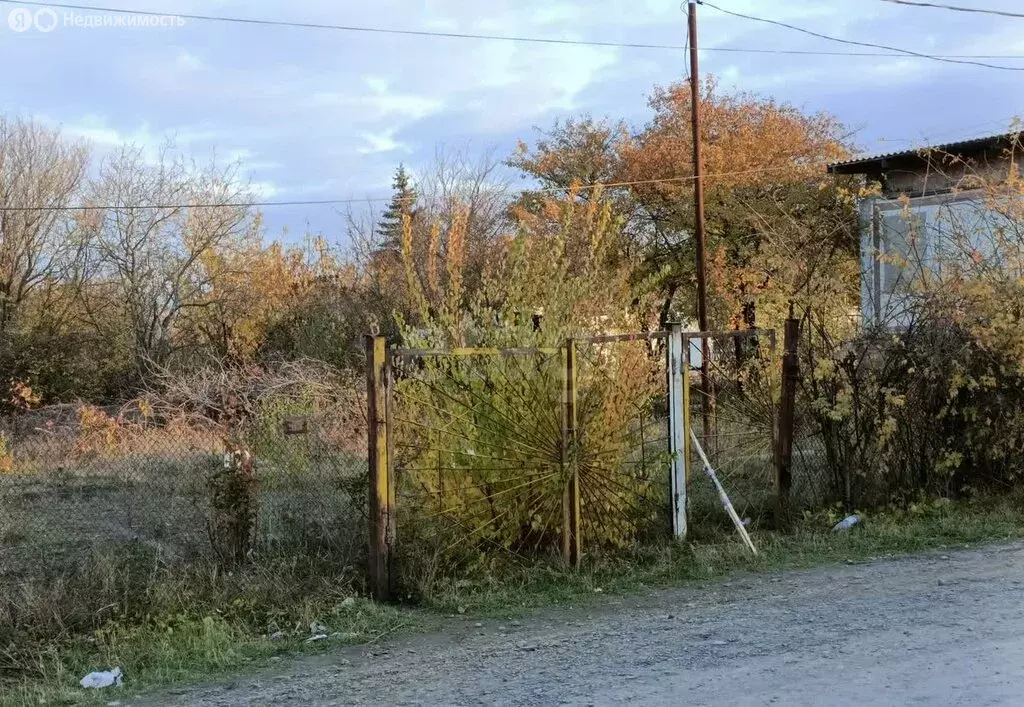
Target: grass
(928,526)
(186,642)
(186,650)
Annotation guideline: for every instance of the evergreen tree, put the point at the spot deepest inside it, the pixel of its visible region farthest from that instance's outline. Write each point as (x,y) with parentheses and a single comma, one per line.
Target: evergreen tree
(389,228)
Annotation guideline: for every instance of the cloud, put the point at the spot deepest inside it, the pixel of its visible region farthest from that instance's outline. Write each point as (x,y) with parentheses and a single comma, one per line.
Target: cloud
(381,142)
(329,114)
(187,61)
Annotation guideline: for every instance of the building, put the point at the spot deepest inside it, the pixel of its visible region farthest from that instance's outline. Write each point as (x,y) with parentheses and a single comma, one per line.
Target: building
(934,205)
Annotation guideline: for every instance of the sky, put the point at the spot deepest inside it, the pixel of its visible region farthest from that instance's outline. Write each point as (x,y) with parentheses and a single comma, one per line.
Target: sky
(313,114)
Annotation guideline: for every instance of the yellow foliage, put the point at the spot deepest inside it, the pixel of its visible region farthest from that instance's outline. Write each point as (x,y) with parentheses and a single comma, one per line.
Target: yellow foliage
(6,455)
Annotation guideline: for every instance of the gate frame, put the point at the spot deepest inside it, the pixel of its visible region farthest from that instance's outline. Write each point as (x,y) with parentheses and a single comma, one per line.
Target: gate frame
(709,337)
(379,382)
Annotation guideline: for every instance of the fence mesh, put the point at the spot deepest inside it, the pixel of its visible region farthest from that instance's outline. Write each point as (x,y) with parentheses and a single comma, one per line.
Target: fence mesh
(477,453)
(625,460)
(733,416)
(484,448)
(81,483)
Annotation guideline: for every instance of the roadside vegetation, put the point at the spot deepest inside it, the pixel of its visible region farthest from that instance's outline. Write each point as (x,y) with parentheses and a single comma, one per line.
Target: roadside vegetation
(188,637)
(183,474)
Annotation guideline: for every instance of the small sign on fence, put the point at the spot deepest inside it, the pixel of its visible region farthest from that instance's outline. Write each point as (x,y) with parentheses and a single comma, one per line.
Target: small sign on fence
(296,425)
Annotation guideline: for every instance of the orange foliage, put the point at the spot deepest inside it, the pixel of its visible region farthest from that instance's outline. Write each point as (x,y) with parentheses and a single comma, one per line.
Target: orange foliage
(746,140)
(252,286)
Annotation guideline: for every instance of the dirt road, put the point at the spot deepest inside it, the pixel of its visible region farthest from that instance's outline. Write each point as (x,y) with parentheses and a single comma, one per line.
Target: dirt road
(939,629)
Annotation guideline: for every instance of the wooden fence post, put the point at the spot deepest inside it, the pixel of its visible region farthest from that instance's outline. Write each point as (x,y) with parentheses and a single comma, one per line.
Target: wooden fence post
(381,502)
(572,533)
(787,414)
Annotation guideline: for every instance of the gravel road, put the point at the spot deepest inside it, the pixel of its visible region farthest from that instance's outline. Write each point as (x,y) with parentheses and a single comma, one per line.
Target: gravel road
(937,629)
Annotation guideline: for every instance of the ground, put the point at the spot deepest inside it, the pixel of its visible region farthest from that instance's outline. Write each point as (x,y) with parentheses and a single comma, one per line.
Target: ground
(943,628)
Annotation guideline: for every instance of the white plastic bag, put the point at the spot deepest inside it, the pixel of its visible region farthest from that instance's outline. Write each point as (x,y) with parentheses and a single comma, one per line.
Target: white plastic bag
(846,524)
(101,679)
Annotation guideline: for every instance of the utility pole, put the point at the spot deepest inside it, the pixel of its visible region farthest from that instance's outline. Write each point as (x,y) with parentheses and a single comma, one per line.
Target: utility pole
(698,174)
(698,224)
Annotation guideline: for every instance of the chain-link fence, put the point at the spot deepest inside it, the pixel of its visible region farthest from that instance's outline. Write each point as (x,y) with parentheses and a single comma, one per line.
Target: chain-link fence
(733,389)
(499,451)
(625,460)
(476,444)
(79,483)
(528,453)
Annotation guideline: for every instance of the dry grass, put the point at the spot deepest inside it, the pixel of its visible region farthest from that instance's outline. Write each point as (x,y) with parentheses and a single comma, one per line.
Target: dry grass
(104,527)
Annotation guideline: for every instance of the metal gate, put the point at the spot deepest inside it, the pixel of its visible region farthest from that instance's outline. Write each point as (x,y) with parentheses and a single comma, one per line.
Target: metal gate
(533,453)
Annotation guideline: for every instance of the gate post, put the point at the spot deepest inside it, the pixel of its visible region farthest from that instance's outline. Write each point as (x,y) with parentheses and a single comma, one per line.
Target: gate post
(381,501)
(572,533)
(787,414)
(677,366)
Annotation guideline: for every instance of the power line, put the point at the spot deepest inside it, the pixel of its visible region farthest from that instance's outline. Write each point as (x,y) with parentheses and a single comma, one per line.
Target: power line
(345,28)
(810,52)
(872,45)
(487,37)
(978,131)
(956,8)
(335,202)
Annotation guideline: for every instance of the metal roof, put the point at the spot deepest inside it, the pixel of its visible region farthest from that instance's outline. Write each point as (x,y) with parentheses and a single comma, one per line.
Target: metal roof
(961,146)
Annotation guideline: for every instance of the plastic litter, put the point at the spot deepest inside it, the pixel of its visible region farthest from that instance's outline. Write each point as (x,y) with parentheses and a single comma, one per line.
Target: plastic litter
(101,679)
(846,524)
(318,637)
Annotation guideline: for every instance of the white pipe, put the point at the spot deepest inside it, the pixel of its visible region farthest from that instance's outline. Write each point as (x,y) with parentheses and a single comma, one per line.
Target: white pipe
(723,497)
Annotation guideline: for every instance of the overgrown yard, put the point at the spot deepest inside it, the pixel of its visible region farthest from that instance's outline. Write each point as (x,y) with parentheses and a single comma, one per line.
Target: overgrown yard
(248,619)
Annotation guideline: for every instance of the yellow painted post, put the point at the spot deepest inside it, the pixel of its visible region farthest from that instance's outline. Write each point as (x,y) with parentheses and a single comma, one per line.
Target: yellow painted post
(572,532)
(381,508)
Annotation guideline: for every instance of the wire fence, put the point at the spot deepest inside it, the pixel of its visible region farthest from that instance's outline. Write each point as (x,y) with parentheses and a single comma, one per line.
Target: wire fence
(79,483)
(516,454)
(624,439)
(476,444)
(541,453)
(733,415)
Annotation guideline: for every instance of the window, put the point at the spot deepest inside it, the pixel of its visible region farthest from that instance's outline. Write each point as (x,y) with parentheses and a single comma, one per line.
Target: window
(903,248)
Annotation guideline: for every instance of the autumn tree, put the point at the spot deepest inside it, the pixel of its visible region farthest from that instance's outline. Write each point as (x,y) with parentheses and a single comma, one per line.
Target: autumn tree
(253,286)
(455,193)
(754,150)
(157,223)
(574,152)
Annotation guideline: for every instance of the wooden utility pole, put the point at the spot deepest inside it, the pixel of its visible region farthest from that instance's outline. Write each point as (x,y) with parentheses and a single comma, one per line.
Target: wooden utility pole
(698,225)
(698,175)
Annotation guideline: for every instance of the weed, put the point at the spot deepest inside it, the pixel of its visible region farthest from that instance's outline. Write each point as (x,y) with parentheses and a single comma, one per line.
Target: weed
(165,626)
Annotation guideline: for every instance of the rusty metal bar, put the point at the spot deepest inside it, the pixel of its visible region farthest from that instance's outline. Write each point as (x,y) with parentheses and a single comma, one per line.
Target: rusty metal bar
(462,352)
(572,535)
(612,338)
(687,425)
(787,415)
(728,334)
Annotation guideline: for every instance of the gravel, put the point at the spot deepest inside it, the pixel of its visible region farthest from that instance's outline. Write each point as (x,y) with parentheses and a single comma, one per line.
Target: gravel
(936,629)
